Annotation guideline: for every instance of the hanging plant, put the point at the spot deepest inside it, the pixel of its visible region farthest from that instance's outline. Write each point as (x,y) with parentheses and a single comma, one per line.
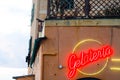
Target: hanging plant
(112,11)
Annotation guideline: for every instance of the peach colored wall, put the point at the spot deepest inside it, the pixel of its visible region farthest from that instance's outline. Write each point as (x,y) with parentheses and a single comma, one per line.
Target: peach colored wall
(62,40)
(62,37)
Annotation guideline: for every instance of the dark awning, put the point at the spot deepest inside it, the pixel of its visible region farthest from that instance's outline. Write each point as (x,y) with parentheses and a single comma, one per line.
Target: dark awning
(37,44)
(29,51)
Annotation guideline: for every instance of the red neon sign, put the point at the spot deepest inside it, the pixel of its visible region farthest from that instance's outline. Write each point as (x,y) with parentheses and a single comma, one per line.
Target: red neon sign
(75,62)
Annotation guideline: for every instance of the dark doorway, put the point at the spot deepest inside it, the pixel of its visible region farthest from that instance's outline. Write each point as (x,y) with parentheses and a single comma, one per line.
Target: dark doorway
(89,78)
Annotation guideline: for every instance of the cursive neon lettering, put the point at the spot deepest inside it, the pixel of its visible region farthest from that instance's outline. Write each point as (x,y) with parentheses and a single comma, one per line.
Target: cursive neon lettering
(75,62)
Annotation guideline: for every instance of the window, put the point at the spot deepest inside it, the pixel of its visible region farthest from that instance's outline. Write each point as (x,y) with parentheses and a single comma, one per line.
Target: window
(67,4)
(32,13)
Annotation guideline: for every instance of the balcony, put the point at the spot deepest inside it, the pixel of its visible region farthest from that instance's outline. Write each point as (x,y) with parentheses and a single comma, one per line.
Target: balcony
(83,9)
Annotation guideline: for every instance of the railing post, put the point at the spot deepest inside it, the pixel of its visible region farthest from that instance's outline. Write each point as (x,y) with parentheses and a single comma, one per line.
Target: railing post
(87,8)
(48,9)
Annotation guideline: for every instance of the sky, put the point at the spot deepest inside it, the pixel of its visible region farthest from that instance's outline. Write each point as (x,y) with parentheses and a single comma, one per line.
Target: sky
(14,36)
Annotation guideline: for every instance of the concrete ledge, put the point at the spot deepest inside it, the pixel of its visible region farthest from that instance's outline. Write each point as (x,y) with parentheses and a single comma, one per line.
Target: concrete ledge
(84,22)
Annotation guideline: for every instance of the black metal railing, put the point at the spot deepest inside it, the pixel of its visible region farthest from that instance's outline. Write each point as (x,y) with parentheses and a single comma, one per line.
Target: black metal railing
(64,9)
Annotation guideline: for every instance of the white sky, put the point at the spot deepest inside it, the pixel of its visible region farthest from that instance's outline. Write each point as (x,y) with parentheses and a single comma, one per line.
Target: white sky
(14,36)
(9,73)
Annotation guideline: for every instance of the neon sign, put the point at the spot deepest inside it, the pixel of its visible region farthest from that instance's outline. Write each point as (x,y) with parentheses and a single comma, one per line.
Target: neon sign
(80,59)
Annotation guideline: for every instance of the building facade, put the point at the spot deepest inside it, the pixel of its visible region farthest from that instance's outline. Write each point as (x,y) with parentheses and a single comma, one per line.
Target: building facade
(75,40)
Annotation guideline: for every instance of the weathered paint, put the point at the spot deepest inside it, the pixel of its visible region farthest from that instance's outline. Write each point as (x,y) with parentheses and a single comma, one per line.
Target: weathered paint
(84,22)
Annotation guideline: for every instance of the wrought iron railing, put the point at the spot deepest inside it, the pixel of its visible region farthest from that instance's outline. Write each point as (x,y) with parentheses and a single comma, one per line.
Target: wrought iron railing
(64,9)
